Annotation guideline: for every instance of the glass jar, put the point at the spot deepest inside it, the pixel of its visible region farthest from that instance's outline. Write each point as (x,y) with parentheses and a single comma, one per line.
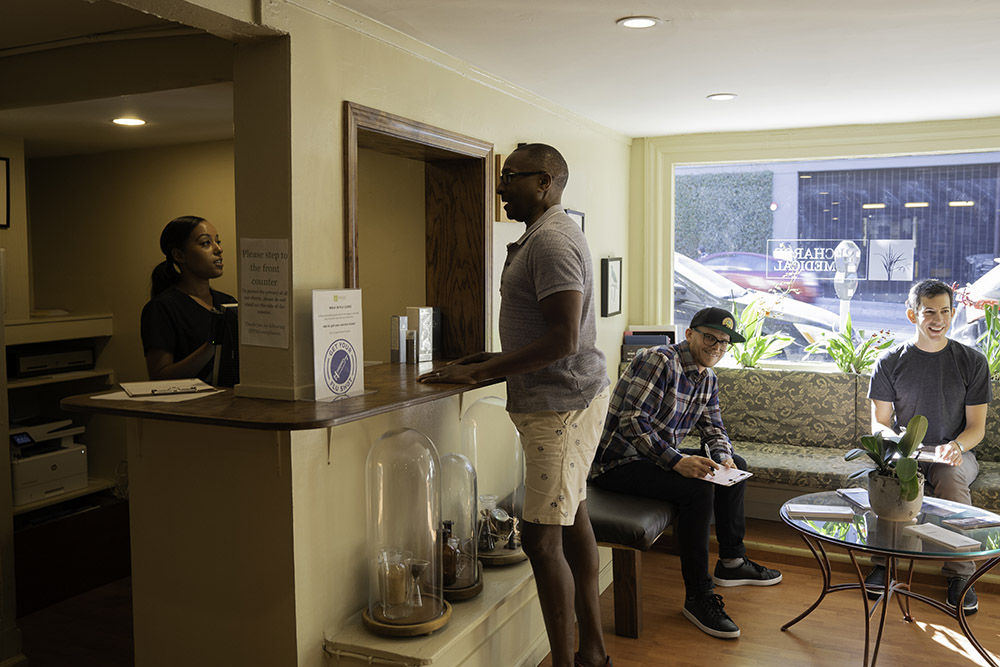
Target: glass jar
(462,578)
(493,445)
(403,486)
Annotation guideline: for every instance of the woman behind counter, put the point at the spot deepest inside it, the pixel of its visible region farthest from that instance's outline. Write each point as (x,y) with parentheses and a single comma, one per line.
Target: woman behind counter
(176,324)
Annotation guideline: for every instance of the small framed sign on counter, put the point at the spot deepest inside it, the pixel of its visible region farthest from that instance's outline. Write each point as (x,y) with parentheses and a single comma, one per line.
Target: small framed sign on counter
(338,343)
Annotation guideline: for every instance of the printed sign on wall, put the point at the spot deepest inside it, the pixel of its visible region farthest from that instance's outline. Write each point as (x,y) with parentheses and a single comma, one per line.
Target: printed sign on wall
(264,269)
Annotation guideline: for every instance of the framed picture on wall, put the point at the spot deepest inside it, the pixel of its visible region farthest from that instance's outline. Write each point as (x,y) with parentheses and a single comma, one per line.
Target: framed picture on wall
(577,216)
(4,193)
(611,286)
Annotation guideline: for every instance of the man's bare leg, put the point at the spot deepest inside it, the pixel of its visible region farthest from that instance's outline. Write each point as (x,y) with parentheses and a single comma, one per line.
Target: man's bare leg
(554,581)
(580,550)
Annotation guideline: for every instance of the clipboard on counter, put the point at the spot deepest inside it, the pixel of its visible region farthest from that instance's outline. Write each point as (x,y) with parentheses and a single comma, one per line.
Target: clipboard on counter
(165,387)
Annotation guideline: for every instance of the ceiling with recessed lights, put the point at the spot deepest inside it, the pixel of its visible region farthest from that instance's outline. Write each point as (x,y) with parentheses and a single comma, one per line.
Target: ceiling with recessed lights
(791,64)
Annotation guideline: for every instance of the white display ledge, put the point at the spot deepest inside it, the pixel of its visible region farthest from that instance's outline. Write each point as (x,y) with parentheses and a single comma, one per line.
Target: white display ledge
(61,327)
(501,626)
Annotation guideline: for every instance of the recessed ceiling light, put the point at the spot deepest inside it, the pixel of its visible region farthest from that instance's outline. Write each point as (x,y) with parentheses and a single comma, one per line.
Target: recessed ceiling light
(638,22)
(871,206)
(131,122)
(961,203)
(721,97)
(916,204)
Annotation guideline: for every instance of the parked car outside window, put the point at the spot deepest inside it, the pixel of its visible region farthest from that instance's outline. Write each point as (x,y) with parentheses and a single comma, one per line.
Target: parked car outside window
(969,324)
(696,286)
(762,273)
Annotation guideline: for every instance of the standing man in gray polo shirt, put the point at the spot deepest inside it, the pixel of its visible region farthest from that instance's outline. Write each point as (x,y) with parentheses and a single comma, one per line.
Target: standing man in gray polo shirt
(557,394)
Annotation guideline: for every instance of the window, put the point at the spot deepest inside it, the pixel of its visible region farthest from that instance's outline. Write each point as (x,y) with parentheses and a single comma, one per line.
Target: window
(773,227)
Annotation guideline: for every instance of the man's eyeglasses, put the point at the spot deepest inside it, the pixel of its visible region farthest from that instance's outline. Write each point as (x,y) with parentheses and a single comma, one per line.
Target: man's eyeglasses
(712,341)
(507,176)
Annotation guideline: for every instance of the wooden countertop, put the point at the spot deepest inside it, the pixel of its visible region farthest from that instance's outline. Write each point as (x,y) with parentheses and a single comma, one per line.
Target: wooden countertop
(395,386)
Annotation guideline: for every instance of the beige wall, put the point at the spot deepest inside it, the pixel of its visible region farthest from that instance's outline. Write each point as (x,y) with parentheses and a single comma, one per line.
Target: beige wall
(14,240)
(96,223)
(391,242)
(331,60)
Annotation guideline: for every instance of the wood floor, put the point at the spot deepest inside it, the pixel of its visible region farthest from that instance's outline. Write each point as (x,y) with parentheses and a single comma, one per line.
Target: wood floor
(832,636)
(95,629)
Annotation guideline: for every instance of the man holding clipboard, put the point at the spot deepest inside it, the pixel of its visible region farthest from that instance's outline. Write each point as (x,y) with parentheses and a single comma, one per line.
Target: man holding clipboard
(665,393)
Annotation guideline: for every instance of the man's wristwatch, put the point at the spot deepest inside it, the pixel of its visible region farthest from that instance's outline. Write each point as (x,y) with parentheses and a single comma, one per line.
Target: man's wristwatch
(960,447)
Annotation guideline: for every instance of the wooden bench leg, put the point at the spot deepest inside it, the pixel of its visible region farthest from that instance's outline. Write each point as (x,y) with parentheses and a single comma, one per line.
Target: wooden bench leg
(626,564)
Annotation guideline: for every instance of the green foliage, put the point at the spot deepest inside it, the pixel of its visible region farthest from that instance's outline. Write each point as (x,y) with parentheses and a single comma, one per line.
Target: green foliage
(723,212)
(883,452)
(750,322)
(851,357)
(989,342)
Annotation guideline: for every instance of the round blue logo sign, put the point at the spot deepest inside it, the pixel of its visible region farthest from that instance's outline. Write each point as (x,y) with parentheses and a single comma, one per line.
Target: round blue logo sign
(340,366)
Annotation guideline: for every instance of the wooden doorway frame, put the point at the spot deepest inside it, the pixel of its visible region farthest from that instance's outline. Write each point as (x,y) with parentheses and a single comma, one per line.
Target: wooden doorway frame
(459,185)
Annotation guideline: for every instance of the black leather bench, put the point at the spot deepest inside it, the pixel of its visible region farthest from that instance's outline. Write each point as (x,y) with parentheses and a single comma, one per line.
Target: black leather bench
(629,525)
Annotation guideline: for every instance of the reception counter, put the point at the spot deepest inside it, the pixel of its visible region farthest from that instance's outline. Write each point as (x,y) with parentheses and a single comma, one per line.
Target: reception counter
(248,522)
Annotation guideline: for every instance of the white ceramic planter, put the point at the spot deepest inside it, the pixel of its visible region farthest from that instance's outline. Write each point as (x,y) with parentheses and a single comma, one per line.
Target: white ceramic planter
(883,496)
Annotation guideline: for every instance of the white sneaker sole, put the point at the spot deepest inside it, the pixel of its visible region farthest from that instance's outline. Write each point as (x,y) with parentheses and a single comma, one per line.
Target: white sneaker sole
(746,582)
(968,610)
(707,630)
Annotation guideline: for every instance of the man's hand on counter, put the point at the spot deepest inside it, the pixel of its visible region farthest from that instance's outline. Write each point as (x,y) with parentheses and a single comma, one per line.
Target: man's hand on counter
(459,371)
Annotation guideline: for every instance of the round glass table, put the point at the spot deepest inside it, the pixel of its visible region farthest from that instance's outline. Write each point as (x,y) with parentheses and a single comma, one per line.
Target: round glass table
(943,531)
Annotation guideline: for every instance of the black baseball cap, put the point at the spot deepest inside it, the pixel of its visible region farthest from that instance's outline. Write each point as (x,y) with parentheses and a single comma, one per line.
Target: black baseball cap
(720,319)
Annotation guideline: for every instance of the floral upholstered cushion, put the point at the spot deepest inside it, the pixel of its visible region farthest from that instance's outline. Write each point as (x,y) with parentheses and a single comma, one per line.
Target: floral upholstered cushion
(986,488)
(791,407)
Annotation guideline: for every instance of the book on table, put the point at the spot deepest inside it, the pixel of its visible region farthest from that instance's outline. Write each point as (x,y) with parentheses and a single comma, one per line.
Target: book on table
(942,536)
(973,522)
(857,496)
(825,512)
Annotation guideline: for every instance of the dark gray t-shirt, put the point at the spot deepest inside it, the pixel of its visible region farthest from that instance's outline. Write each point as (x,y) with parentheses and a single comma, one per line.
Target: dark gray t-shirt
(551,256)
(937,385)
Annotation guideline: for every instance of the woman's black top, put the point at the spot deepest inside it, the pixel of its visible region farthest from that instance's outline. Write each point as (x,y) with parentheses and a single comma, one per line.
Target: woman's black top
(176,323)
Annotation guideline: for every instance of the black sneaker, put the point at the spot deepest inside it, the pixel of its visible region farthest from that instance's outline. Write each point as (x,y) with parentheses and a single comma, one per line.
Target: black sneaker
(747,574)
(955,586)
(875,582)
(705,611)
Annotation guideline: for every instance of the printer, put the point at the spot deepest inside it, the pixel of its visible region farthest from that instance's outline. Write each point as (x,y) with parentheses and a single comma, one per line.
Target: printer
(45,461)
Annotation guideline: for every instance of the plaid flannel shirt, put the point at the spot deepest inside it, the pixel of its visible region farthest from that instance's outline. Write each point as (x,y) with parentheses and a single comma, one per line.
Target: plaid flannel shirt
(659,399)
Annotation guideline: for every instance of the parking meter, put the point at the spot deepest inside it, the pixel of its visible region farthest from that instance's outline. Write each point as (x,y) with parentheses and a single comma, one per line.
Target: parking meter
(846,259)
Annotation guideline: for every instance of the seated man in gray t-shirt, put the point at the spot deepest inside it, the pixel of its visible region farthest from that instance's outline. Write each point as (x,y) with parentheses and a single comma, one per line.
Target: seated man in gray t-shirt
(949,383)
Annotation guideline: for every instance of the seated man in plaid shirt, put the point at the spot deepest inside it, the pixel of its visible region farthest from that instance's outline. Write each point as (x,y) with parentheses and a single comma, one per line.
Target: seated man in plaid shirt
(665,393)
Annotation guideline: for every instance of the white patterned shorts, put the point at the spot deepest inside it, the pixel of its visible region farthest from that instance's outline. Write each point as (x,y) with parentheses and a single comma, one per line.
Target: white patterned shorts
(558,450)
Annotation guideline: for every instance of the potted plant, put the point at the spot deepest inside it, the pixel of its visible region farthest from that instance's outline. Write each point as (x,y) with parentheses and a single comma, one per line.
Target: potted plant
(849,356)
(758,345)
(895,486)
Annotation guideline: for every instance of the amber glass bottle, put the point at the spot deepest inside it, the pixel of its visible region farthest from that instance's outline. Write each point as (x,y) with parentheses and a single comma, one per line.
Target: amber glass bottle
(449,554)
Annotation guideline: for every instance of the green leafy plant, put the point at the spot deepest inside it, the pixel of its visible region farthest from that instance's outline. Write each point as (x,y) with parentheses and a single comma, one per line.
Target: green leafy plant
(989,342)
(758,346)
(894,458)
(849,356)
